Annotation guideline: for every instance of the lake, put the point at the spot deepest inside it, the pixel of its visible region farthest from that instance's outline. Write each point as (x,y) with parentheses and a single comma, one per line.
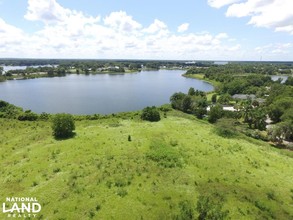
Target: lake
(98,93)
(276,77)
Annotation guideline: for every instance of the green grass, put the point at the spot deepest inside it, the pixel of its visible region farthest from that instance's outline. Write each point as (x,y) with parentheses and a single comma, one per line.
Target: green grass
(215,83)
(99,174)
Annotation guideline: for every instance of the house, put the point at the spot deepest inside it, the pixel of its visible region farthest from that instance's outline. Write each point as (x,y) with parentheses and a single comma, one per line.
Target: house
(244,96)
(225,108)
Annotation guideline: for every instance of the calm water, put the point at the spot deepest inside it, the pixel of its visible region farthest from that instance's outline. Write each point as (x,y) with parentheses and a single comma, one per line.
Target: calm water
(275,78)
(101,93)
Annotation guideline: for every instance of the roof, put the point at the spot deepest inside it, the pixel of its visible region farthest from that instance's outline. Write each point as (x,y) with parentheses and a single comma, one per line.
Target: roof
(243,96)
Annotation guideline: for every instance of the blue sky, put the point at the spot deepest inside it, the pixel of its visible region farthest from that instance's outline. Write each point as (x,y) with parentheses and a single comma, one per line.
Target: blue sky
(147,29)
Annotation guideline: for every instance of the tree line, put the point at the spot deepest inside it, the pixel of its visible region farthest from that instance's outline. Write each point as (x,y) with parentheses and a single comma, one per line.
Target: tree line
(273,100)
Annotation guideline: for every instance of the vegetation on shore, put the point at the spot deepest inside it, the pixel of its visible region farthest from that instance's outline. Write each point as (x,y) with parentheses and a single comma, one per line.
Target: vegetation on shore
(253,97)
(58,68)
(36,68)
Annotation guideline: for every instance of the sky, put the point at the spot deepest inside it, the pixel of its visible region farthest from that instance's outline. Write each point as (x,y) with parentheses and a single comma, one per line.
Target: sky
(245,30)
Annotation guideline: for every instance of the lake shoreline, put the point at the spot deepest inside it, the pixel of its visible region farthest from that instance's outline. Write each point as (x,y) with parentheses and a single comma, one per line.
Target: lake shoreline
(99,93)
(214,83)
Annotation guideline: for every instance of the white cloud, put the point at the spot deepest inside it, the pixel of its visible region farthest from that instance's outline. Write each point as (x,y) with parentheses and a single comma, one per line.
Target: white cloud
(79,36)
(45,10)
(52,13)
(8,29)
(71,34)
(121,21)
(183,27)
(156,26)
(276,51)
(221,3)
(222,36)
(9,35)
(281,48)
(275,14)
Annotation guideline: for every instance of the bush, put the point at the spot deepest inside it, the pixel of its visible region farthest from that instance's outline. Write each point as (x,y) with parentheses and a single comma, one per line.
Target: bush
(216,112)
(9,111)
(186,211)
(256,134)
(63,125)
(214,98)
(164,154)
(3,104)
(210,207)
(150,114)
(225,127)
(165,108)
(28,116)
(44,116)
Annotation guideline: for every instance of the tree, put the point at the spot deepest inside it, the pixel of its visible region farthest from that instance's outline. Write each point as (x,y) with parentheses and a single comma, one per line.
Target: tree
(50,72)
(281,131)
(63,125)
(289,81)
(214,98)
(259,117)
(216,112)
(61,71)
(150,114)
(191,91)
(186,104)
(246,108)
(279,107)
(199,112)
(288,115)
(225,99)
(176,100)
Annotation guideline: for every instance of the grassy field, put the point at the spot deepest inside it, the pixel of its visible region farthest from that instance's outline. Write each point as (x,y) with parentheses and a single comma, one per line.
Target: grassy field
(201,77)
(100,174)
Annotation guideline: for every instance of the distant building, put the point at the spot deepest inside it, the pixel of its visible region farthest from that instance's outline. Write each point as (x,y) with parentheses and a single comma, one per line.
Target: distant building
(221,62)
(225,108)
(190,62)
(247,96)
(243,96)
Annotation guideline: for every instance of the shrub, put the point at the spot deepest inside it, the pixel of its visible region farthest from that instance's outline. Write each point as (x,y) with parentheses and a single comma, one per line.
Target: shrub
(3,104)
(165,108)
(214,98)
(210,207)
(122,193)
(216,112)
(224,99)
(150,114)
(186,211)
(63,125)
(225,127)
(256,134)
(9,111)
(44,116)
(28,116)
(164,155)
